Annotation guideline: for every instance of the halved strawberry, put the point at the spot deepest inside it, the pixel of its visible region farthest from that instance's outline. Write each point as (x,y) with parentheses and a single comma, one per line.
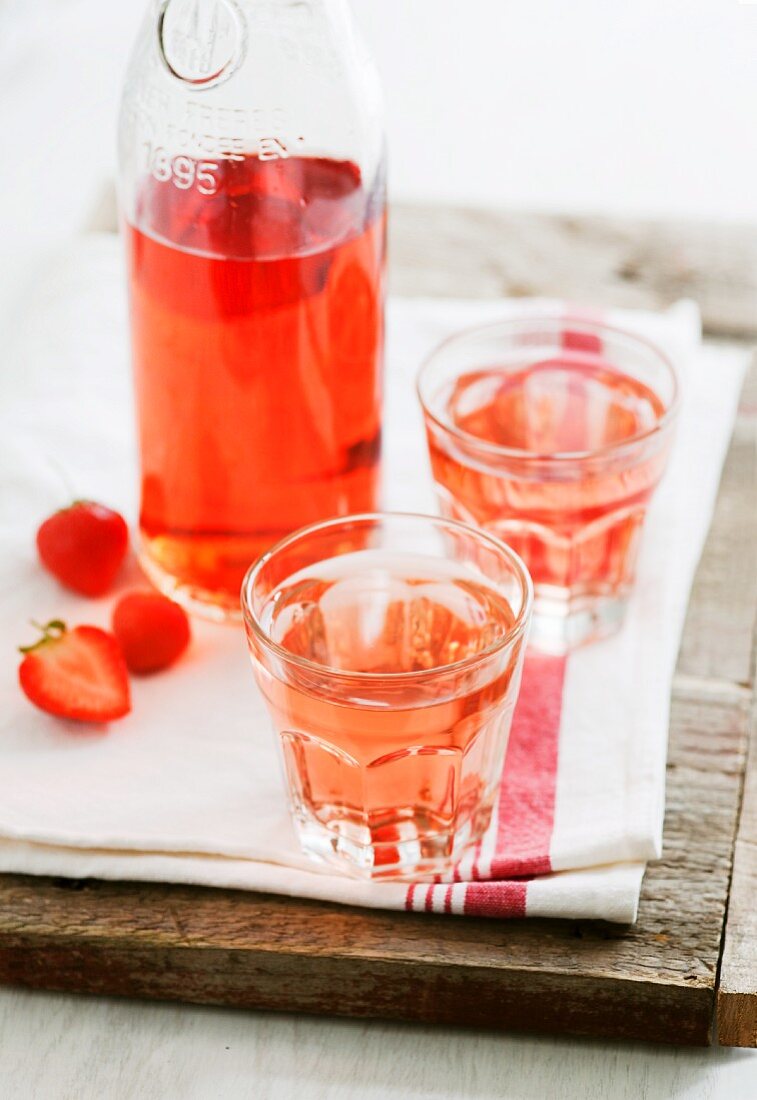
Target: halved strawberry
(79,673)
(83,546)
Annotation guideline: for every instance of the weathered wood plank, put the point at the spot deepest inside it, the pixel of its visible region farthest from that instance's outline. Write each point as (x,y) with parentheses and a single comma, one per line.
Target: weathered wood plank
(737,994)
(600,261)
(717,640)
(655,981)
(429,993)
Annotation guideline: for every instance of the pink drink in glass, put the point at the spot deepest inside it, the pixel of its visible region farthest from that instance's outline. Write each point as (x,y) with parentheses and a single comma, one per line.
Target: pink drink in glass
(389,651)
(553,436)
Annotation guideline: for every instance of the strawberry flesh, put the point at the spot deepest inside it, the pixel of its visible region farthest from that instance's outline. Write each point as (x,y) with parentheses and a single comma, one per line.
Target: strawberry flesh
(79,674)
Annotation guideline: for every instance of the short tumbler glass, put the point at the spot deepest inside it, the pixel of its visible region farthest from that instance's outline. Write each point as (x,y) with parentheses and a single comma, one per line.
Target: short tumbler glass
(552,434)
(389,651)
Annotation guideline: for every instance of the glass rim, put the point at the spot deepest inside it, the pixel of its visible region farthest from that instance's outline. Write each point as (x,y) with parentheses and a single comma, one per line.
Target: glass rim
(556,457)
(516,562)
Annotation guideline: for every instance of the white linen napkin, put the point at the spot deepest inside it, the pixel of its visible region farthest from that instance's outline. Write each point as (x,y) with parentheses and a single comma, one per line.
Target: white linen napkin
(187,788)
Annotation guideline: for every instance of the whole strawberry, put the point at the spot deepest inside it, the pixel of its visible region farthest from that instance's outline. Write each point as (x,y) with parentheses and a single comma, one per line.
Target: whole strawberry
(83,546)
(79,674)
(152,630)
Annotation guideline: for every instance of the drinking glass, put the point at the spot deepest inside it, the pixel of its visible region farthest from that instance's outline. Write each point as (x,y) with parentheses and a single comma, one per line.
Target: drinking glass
(389,651)
(552,434)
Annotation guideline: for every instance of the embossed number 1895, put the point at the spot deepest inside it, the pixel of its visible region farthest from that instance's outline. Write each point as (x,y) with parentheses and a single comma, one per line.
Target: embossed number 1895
(183,172)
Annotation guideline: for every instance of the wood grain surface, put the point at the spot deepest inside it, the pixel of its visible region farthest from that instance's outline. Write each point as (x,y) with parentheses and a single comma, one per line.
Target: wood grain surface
(590,260)
(737,994)
(657,980)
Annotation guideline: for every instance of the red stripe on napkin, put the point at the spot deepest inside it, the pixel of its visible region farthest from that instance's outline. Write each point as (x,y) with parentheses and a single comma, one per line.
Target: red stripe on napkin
(581,341)
(495,899)
(529,779)
(526,813)
(573,340)
(448,900)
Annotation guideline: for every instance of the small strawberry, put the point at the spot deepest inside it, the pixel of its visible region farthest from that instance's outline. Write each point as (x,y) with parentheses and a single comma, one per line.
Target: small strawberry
(83,546)
(79,673)
(152,630)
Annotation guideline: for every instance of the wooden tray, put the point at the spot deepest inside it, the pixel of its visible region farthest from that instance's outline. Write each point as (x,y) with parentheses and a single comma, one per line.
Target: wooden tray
(694,948)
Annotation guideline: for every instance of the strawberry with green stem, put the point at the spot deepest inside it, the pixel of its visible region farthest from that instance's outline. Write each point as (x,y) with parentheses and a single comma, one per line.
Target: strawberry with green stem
(79,674)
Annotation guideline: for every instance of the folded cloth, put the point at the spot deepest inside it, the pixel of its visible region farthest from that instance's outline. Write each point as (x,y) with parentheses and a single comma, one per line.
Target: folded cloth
(187,788)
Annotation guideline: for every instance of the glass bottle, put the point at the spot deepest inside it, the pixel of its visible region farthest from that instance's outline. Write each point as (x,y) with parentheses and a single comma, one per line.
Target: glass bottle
(252,192)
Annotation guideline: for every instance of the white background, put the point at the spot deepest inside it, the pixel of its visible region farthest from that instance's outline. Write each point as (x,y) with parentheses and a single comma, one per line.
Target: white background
(644,106)
(647,106)
(625,105)
(636,106)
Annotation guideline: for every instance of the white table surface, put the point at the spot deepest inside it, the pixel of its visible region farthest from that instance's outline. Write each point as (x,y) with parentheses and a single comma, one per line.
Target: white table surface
(60,1047)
